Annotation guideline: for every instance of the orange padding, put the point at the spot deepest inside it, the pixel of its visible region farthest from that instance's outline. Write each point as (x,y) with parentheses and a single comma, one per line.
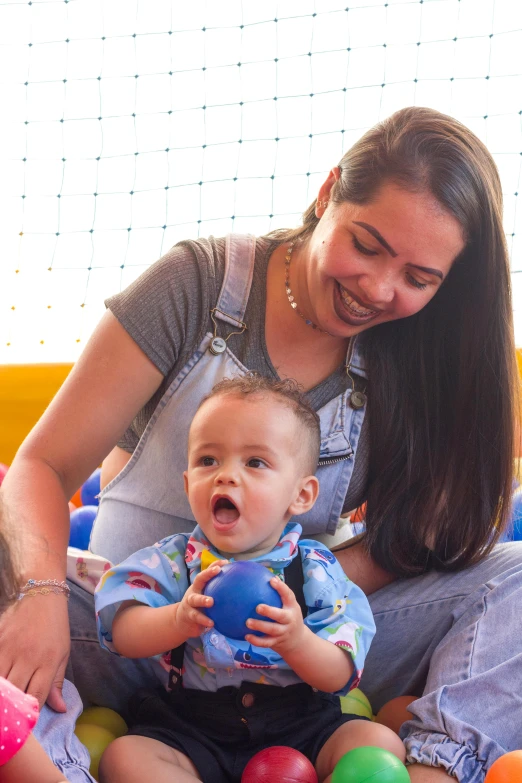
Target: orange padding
(25,392)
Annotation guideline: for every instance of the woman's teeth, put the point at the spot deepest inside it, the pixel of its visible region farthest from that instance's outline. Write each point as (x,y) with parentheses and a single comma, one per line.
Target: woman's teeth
(353,306)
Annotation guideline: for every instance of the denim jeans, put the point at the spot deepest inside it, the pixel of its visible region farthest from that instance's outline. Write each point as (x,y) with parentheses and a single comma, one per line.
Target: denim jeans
(454,640)
(55,731)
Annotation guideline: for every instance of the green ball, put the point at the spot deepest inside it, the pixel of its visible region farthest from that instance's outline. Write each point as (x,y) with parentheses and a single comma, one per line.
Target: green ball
(356,703)
(370,764)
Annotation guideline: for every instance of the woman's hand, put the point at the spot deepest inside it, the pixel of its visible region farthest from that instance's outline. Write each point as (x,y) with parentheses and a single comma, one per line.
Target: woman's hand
(34,647)
(286,633)
(189,620)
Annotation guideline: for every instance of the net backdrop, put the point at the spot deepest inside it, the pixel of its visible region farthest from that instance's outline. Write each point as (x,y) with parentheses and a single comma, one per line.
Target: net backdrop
(128,125)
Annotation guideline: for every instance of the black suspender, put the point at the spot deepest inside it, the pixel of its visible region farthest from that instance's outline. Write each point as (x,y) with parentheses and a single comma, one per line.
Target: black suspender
(294,578)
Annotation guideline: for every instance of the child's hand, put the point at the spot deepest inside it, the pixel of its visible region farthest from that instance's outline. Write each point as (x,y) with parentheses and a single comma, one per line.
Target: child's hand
(286,634)
(188,617)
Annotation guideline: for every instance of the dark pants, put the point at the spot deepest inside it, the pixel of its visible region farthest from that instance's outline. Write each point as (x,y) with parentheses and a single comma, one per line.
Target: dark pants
(221,731)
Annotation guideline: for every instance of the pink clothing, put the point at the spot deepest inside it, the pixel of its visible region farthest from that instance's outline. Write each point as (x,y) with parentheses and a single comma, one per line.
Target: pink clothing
(18,715)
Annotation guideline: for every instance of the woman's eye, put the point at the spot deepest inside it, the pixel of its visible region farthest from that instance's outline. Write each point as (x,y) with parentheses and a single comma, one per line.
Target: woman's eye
(256,463)
(362,249)
(416,283)
(207,462)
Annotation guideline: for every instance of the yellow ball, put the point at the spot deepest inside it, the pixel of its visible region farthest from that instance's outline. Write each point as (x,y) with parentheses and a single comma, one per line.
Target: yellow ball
(356,703)
(104,717)
(95,739)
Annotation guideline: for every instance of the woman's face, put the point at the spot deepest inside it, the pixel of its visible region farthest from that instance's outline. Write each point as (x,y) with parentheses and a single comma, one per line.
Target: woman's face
(373,263)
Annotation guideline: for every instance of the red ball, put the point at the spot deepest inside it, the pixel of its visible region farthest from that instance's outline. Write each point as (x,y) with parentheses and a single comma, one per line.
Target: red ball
(281,764)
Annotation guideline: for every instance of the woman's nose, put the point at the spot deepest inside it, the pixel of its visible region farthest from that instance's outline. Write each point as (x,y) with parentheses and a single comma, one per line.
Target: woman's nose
(378,288)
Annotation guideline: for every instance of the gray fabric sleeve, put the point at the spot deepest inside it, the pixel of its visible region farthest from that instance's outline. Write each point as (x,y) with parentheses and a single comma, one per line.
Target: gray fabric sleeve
(164,308)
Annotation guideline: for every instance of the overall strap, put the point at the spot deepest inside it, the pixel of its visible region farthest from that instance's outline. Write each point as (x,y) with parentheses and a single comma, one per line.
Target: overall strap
(240,250)
(294,578)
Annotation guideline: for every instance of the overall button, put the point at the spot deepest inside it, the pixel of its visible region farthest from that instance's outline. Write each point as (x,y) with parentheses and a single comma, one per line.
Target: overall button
(248,700)
(217,346)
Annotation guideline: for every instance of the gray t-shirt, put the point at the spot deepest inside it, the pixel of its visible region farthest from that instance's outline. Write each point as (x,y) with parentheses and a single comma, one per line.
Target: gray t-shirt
(166,311)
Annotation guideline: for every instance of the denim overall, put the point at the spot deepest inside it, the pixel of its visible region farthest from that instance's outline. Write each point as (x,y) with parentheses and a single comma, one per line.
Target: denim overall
(453,640)
(146,500)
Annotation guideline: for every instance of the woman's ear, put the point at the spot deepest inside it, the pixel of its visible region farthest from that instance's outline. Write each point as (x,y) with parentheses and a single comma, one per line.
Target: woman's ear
(309,490)
(324,191)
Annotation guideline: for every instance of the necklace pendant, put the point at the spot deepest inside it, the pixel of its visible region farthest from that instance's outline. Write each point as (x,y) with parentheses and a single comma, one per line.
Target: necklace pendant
(357,400)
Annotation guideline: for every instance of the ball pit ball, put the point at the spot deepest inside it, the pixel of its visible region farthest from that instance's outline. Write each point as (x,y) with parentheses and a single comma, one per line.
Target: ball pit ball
(91,489)
(506,769)
(82,520)
(356,703)
(395,712)
(76,499)
(104,717)
(237,590)
(279,764)
(362,765)
(95,739)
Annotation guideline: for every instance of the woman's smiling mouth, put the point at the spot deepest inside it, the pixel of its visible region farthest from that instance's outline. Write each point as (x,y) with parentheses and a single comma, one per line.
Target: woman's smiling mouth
(351,307)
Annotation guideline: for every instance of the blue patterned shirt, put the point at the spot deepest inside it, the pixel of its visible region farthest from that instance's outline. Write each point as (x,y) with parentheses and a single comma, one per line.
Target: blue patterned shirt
(338,610)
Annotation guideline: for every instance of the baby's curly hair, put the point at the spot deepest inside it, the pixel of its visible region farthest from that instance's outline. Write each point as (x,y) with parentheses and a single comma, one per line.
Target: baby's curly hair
(289,393)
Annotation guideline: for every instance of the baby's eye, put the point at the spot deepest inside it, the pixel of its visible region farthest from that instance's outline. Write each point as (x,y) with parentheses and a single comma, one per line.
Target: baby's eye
(255,462)
(207,462)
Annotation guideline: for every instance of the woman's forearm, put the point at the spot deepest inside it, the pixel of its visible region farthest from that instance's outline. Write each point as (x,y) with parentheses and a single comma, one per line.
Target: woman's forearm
(34,506)
(361,569)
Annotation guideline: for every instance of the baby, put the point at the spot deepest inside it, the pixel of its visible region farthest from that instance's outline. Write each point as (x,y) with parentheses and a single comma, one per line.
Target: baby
(252,453)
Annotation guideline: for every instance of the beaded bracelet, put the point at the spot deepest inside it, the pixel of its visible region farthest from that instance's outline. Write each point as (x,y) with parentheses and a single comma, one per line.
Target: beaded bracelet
(44,587)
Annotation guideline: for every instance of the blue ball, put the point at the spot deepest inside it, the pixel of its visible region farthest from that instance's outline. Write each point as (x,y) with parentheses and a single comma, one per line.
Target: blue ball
(82,520)
(516,515)
(513,531)
(237,590)
(91,489)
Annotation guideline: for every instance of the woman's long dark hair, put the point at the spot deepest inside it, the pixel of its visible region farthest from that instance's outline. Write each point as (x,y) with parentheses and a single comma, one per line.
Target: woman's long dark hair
(442,388)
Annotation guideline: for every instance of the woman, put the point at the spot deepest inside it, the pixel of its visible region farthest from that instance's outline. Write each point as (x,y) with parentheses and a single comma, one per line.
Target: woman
(393,297)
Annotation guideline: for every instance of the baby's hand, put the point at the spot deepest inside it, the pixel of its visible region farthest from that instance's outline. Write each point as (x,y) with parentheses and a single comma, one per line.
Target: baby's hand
(284,635)
(188,618)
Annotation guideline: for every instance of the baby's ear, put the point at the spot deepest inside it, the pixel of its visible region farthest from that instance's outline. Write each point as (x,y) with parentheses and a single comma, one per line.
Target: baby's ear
(185,481)
(309,490)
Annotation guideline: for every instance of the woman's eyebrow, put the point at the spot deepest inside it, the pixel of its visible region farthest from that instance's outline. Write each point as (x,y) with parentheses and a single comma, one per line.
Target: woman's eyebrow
(373,231)
(429,270)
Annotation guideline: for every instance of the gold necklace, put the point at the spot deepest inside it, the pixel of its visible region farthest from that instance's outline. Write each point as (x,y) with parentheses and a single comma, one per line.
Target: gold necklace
(291,298)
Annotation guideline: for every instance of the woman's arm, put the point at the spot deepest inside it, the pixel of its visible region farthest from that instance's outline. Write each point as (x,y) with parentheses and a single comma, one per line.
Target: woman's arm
(113,464)
(109,384)
(360,567)
(30,764)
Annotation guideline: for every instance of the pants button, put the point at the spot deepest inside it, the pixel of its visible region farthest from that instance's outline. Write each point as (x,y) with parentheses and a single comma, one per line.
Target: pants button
(248,700)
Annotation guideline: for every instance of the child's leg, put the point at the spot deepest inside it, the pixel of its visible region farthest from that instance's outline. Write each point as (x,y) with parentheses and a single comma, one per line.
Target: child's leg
(355,734)
(135,759)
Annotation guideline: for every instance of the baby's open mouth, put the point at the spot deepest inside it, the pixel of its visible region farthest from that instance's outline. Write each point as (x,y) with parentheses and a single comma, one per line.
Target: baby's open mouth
(225,511)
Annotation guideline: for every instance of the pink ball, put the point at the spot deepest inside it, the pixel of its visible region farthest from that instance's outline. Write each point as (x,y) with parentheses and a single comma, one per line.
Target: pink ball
(3,471)
(281,764)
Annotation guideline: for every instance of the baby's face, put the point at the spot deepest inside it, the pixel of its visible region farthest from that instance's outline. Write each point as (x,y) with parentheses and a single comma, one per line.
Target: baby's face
(245,472)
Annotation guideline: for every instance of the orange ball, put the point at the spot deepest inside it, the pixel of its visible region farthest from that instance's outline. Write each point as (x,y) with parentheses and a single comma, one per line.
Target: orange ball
(77,498)
(395,712)
(506,769)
